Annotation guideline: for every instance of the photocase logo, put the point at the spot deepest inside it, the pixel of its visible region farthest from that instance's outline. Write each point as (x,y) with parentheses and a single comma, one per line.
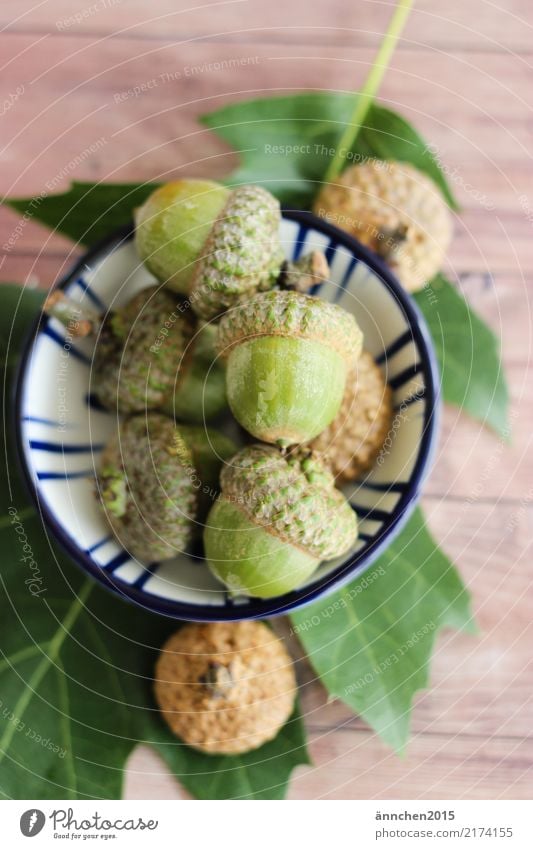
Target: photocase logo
(32,822)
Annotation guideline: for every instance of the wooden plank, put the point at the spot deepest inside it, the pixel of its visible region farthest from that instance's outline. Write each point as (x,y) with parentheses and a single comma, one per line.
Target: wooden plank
(475,25)
(473,463)
(351,764)
(41,271)
(484,125)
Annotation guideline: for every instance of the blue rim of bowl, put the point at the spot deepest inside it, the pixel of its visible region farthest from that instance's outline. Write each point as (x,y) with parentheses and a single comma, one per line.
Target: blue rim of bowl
(354,566)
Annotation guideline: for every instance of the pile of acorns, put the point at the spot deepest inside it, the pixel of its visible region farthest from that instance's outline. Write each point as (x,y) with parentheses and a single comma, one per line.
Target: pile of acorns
(230,324)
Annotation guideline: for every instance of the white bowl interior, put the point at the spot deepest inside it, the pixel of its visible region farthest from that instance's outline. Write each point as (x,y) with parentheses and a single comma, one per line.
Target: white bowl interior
(63,432)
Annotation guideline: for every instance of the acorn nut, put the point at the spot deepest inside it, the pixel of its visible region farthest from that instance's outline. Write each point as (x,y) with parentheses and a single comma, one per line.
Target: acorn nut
(211,244)
(225,687)
(150,355)
(397,211)
(156,482)
(287,359)
(277,517)
(353,440)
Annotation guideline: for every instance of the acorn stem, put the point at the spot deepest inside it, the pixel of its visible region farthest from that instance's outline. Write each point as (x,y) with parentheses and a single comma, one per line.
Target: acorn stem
(365,97)
(78,320)
(218,680)
(390,240)
(306,272)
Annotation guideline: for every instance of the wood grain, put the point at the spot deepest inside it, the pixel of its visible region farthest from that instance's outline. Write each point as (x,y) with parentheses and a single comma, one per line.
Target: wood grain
(462,74)
(478,25)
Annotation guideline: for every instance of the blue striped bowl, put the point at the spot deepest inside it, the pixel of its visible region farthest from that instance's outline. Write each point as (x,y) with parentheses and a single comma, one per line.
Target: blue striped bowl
(61,430)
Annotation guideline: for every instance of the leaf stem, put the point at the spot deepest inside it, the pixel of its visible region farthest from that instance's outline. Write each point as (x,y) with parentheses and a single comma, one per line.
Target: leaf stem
(365,97)
(19,656)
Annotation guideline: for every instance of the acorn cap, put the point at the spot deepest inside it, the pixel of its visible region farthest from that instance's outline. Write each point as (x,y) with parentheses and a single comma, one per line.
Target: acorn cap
(351,443)
(396,210)
(293,497)
(285,313)
(140,350)
(210,243)
(242,253)
(225,687)
(146,488)
(150,483)
(153,353)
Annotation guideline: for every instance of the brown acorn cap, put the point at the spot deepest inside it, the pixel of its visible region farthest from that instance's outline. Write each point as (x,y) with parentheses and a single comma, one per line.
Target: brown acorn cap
(291,496)
(396,210)
(285,313)
(351,443)
(242,253)
(225,687)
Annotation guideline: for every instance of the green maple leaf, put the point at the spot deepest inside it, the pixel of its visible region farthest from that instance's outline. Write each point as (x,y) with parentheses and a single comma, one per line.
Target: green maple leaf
(468,351)
(87,212)
(371,641)
(286,143)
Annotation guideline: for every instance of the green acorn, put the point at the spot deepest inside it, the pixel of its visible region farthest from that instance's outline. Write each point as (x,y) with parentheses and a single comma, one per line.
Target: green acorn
(153,354)
(277,517)
(209,243)
(287,360)
(157,481)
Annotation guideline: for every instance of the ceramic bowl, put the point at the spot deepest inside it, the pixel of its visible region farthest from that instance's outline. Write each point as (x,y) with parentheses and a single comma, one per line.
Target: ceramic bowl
(61,430)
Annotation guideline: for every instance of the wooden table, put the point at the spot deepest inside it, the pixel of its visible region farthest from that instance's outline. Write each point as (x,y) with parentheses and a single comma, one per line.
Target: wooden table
(462,75)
